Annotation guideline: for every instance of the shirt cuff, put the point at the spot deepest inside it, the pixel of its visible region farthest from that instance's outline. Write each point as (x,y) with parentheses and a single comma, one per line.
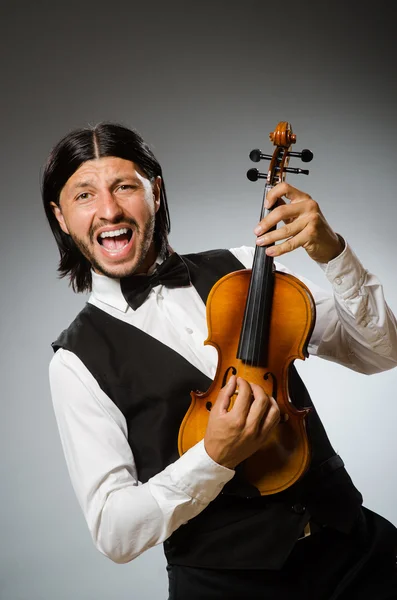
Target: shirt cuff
(198,476)
(345,272)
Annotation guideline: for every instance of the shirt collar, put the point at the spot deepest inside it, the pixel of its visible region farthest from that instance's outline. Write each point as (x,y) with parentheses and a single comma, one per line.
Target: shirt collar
(107,290)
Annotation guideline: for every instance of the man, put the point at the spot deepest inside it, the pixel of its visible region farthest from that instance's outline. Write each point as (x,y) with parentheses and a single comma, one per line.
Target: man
(123,371)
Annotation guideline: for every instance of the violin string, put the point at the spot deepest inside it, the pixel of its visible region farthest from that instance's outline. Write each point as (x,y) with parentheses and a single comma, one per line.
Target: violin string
(259,288)
(255,323)
(254,300)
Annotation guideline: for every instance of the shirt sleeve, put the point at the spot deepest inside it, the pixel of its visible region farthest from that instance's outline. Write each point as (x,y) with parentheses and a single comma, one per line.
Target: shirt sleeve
(354,325)
(124,516)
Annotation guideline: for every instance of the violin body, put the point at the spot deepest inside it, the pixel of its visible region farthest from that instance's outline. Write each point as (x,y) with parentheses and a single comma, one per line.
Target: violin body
(285,456)
(260,320)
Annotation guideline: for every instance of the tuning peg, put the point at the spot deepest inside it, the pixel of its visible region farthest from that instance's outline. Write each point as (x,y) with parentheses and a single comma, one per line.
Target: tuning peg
(305,156)
(256,155)
(297,171)
(254,175)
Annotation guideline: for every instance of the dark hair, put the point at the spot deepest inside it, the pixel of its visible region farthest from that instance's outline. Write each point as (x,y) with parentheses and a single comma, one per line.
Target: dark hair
(80,145)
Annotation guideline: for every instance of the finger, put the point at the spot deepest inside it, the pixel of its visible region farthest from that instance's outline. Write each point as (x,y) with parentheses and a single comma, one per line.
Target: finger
(271,419)
(287,190)
(287,212)
(259,408)
(222,402)
(278,202)
(289,245)
(243,399)
(282,233)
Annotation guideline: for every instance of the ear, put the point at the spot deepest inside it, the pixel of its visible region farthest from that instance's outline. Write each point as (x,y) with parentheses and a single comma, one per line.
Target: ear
(59,217)
(156,187)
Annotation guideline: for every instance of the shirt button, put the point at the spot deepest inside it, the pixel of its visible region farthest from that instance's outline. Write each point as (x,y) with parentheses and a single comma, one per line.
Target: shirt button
(298,508)
(189,330)
(338,280)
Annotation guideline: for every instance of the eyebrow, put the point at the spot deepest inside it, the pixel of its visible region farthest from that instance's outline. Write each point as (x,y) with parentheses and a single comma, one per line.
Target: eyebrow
(88,183)
(81,184)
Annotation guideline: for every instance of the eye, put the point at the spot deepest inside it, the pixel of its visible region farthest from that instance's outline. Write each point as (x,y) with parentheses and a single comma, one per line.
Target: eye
(125,186)
(83,196)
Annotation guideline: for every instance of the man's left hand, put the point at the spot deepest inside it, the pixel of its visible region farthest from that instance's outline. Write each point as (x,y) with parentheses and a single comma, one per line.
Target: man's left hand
(305,226)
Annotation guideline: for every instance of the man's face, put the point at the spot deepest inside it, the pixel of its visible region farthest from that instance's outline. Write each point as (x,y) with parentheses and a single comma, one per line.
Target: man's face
(108,208)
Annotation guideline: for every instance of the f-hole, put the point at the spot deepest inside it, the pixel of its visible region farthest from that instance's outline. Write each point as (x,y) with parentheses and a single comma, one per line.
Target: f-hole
(232,370)
(274,383)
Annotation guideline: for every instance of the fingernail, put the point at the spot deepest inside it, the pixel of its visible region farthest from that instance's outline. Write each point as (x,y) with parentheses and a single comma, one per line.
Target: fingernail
(258,230)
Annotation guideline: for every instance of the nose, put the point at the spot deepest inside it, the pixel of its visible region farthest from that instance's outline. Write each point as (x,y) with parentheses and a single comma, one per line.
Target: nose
(108,207)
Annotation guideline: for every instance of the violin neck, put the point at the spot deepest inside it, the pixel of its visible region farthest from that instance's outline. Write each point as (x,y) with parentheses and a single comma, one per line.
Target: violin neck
(254,336)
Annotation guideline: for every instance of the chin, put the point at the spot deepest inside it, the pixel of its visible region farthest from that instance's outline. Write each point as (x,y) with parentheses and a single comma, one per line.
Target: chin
(115,271)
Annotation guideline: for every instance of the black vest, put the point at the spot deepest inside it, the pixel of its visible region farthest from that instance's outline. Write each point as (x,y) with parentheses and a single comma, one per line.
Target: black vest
(151,383)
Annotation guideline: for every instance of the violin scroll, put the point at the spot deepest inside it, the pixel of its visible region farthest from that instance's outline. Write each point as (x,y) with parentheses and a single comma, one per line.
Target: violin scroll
(283,138)
(282,135)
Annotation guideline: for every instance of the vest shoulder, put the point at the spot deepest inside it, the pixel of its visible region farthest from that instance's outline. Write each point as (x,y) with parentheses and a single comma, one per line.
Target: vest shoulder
(86,322)
(211,257)
(208,254)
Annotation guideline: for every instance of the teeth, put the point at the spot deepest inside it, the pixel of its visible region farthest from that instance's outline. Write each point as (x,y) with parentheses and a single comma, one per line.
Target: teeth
(114,233)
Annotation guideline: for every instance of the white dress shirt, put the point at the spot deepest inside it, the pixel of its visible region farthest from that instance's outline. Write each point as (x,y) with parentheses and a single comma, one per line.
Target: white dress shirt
(354,327)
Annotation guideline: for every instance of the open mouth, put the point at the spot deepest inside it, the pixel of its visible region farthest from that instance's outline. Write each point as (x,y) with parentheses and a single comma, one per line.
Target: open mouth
(116,240)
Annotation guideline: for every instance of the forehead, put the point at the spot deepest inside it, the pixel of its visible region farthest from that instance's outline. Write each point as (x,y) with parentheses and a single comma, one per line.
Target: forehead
(103,170)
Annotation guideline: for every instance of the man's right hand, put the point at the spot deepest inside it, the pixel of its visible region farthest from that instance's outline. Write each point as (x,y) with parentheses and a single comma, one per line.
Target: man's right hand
(234,435)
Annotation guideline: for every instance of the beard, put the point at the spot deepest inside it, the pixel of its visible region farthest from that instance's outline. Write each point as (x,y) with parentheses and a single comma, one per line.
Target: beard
(118,272)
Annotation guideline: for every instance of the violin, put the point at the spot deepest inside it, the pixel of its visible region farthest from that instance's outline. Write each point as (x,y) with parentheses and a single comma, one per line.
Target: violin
(260,320)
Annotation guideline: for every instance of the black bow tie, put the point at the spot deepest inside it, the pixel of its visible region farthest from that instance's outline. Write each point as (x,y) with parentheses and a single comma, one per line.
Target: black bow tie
(172,273)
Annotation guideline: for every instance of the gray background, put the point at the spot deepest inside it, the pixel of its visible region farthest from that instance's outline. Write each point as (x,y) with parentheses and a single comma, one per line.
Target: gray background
(204,83)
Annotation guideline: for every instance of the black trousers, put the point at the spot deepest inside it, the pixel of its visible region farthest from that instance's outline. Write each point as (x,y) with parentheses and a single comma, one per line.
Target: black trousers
(325,566)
